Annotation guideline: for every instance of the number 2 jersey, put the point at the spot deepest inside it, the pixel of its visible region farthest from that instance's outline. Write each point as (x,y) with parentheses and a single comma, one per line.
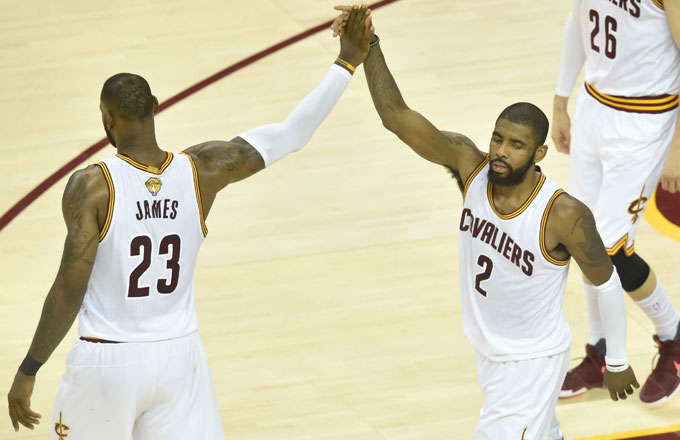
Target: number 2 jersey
(142,288)
(630,51)
(511,288)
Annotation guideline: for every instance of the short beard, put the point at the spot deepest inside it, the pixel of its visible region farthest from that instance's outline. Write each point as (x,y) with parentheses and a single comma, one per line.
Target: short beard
(514,177)
(110,136)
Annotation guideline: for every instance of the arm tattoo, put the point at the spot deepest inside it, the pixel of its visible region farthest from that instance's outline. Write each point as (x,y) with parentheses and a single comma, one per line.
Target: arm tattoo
(384,90)
(589,241)
(66,295)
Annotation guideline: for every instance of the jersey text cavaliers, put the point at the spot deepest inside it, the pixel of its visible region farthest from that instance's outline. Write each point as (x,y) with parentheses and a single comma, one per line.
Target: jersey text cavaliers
(630,6)
(157,209)
(488,233)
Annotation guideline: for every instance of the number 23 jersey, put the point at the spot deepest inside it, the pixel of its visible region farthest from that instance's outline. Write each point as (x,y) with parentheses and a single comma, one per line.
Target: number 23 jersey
(629,47)
(142,288)
(511,288)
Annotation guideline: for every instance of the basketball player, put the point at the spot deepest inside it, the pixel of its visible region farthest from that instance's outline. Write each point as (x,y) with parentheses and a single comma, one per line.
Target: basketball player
(624,128)
(518,231)
(135,224)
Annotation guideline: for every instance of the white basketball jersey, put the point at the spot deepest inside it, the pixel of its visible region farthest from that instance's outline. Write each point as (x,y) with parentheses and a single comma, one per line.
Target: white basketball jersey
(629,47)
(511,288)
(142,287)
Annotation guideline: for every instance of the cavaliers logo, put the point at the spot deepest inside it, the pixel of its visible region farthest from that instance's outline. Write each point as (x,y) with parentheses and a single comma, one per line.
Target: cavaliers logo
(61,429)
(154,185)
(637,206)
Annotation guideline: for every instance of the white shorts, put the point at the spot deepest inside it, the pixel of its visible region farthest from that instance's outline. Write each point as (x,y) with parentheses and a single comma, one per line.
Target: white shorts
(616,163)
(152,391)
(520,398)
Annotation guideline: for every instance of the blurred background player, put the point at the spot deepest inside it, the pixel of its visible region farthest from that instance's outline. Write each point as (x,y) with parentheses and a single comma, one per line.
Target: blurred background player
(518,231)
(135,224)
(625,127)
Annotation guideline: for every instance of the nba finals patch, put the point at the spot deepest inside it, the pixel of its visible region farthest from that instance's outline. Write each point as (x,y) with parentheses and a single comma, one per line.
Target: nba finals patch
(663,213)
(666,433)
(154,185)
(61,429)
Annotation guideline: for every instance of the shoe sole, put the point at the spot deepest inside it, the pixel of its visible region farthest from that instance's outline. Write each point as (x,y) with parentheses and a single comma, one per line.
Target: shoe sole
(664,399)
(568,394)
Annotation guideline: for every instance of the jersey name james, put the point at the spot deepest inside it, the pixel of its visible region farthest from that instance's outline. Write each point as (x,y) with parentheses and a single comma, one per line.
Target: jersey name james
(166,208)
(487,232)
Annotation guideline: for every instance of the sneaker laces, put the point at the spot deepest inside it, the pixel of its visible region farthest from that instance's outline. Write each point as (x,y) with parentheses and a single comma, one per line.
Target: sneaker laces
(664,357)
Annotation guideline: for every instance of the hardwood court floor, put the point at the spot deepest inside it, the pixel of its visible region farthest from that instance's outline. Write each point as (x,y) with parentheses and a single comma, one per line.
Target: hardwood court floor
(327,290)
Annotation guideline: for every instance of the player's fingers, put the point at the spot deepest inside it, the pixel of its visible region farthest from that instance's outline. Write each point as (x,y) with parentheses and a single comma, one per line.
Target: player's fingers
(369,21)
(345,8)
(664,184)
(629,391)
(622,396)
(612,394)
(13,417)
(635,383)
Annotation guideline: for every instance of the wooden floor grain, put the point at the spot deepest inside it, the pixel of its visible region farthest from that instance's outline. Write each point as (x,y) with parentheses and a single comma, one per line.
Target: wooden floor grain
(328,285)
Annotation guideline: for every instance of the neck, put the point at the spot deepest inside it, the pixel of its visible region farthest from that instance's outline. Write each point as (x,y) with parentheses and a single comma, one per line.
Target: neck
(512,197)
(139,143)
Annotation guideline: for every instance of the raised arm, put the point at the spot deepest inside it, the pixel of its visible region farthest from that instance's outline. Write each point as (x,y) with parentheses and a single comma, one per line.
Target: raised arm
(84,207)
(670,176)
(571,226)
(455,151)
(222,163)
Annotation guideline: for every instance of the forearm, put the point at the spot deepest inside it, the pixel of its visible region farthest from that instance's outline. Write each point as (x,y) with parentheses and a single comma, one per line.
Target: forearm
(613,312)
(58,314)
(573,55)
(384,91)
(274,141)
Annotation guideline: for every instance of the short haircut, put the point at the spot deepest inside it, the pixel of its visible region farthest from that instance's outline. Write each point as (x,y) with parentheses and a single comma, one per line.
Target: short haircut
(129,95)
(529,115)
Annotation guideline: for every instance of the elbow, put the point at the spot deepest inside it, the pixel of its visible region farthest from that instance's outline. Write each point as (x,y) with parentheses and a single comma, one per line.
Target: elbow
(391,123)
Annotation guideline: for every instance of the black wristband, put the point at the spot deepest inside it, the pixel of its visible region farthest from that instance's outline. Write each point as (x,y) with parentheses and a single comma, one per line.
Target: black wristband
(375,41)
(29,366)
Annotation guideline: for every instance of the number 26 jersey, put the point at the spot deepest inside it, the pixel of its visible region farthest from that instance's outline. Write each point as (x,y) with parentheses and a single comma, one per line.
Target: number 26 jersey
(142,288)
(629,47)
(511,288)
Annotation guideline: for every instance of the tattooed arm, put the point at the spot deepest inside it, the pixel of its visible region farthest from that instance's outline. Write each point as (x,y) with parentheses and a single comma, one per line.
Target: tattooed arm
(220,163)
(571,230)
(84,208)
(455,151)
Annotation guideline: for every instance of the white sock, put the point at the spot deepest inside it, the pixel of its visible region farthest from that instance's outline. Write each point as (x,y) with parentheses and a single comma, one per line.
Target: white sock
(660,310)
(593,308)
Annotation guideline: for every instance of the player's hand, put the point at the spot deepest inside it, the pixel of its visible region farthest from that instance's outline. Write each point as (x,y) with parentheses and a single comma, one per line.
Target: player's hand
(561,126)
(356,37)
(670,176)
(19,399)
(620,385)
(340,21)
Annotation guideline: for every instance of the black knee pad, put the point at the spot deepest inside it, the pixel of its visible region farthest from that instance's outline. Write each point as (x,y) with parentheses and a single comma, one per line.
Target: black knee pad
(632,270)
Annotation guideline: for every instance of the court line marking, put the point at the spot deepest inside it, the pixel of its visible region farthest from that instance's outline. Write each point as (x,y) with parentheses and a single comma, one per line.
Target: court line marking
(46,184)
(635,434)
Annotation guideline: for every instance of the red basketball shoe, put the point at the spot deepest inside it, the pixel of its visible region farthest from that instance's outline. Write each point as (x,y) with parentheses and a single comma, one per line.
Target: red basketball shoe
(586,375)
(664,382)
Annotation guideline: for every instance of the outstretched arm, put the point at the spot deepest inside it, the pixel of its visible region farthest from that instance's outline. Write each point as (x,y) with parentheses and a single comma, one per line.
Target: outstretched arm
(670,176)
(85,197)
(572,225)
(222,163)
(453,150)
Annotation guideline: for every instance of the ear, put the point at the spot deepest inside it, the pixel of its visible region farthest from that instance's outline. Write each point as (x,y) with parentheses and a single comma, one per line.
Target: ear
(155,104)
(540,153)
(109,122)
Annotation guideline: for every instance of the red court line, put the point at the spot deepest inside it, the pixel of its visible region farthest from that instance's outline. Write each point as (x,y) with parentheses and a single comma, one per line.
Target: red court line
(92,149)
